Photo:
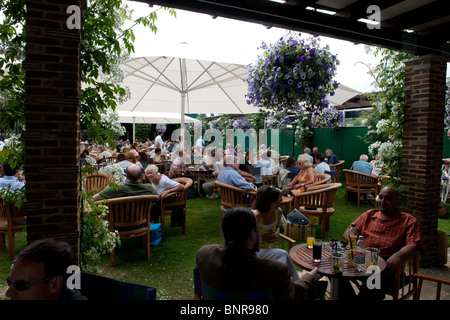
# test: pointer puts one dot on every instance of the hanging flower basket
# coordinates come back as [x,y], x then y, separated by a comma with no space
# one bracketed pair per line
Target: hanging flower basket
[292,72]
[161,127]
[327,118]
[241,123]
[276,120]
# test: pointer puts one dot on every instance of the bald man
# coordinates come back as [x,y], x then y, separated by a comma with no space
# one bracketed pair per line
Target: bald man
[132,187]
[397,234]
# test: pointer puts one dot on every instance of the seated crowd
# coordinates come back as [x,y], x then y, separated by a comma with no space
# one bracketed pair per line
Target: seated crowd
[246,258]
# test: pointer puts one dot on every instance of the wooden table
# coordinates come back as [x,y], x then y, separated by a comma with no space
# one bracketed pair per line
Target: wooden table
[301,255]
[197,173]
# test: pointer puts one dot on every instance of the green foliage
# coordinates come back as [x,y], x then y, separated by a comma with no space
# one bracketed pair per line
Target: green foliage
[12,74]
[303,132]
[256,120]
[13,195]
[96,238]
[142,131]
[104,46]
[13,151]
[385,122]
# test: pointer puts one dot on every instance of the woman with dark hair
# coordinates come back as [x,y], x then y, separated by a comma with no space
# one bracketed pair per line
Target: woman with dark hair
[269,216]
[143,159]
[291,165]
[233,267]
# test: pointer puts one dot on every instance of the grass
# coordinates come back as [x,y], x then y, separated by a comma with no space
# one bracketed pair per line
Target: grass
[170,268]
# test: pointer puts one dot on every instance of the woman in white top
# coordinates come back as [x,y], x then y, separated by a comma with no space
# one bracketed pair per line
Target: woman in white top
[270,217]
[161,182]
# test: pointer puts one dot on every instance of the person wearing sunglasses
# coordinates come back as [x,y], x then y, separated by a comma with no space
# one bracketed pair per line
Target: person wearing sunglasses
[40,273]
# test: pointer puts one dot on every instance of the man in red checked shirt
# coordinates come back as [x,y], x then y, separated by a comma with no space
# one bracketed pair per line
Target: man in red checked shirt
[397,234]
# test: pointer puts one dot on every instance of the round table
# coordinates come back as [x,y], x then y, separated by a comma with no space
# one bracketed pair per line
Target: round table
[301,255]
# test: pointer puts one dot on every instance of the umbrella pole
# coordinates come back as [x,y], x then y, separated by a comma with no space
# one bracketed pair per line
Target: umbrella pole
[183,100]
[134,130]
[183,142]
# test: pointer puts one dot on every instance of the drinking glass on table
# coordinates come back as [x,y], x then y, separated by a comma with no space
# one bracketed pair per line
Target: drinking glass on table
[372,256]
[310,237]
[337,259]
[317,250]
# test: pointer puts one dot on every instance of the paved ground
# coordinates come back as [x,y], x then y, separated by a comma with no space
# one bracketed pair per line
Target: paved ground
[429,288]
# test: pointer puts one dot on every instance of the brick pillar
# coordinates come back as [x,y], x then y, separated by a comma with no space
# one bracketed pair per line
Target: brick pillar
[422,145]
[52,106]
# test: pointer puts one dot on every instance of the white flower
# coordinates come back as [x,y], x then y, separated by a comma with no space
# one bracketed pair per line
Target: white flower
[116,171]
[91,161]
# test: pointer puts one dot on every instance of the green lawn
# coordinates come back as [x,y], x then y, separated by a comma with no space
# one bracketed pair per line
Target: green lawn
[171,263]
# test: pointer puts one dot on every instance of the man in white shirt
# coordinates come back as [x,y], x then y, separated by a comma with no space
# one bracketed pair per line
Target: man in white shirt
[209,157]
[321,165]
[159,139]
[307,153]
[10,179]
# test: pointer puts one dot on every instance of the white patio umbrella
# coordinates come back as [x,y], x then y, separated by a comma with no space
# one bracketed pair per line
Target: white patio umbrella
[152,117]
[173,84]
[185,85]
[182,85]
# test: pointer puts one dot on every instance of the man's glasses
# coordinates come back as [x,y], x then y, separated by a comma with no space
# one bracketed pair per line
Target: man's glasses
[22,285]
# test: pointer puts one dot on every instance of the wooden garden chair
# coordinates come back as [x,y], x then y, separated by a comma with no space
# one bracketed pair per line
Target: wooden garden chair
[232,197]
[12,221]
[130,216]
[335,170]
[96,182]
[360,183]
[439,282]
[270,180]
[405,284]
[318,203]
[322,178]
[173,200]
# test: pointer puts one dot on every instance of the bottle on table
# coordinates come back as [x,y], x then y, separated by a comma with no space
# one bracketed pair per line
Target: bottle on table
[360,253]
[353,235]
[351,247]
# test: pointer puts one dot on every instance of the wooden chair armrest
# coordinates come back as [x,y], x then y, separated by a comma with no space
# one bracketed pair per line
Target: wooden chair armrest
[284,237]
[250,192]
[431,278]
[171,194]
[290,241]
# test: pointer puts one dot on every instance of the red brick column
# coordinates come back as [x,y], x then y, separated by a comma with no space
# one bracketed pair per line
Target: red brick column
[52,105]
[422,145]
